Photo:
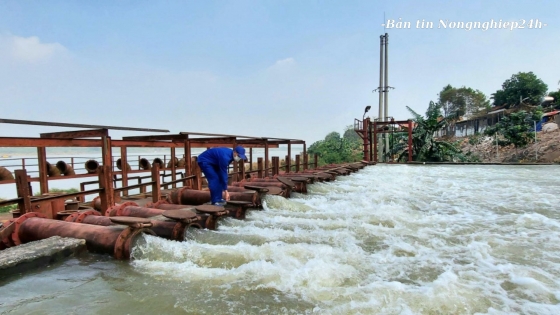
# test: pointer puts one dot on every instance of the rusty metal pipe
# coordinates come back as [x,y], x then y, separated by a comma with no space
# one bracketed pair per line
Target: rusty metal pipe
[158,161]
[5,174]
[300,187]
[52,170]
[65,169]
[187,196]
[170,230]
[310,177]
[168,206]
[145,164]
[130,209]
[91,166]
[176,163]
[119,165]
[236,189]
[286,191]
[181,163]
[96,203]
[262,184]
[114,240]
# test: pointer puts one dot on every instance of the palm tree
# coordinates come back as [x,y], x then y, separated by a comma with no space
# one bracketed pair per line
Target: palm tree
[425,147]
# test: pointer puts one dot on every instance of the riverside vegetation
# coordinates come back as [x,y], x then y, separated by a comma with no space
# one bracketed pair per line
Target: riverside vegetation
[521,95]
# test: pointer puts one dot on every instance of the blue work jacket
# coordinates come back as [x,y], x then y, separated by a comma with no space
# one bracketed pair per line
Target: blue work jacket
[220,158]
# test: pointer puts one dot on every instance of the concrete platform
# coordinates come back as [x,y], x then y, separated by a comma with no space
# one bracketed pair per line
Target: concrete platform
[37,254]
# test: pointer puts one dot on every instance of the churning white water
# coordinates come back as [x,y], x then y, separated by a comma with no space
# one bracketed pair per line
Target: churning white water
[386,240]
[390,239]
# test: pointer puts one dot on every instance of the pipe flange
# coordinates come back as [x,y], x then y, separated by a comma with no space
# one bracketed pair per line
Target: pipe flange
[178,233]
[124,241]
[116,209]
[72,217]
[180,193]
[94,201]
[7,240]
[83,215]
[19,221]
[180,230]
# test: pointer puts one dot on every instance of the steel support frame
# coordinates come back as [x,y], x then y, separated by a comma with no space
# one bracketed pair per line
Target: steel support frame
[377,125]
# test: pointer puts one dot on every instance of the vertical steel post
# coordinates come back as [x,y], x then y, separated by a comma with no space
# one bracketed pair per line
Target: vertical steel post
[297,163]
[260,167]
[266,157]
[365,122]
[156,186]
[304,156]
[124,170]
[173,166]
[107,157]
[22,187]
[43,172]
[370,141]
[273,161]
[410,140]
[242,168]
[250,159]
[289,159]
[197,181]
[188,163]
[375,153]
[316,160]
[234,177]
[107,195]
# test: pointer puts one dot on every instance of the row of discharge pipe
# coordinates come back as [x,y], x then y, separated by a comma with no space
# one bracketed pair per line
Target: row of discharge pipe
[116,230]
[62,168]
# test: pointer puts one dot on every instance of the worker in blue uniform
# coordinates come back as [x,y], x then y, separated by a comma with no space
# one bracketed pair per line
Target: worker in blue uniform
[214,164]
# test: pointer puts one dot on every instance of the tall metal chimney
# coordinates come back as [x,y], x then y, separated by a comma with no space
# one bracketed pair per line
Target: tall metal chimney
[381,87]
[386,88]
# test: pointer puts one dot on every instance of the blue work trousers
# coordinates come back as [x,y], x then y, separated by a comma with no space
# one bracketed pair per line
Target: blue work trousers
[211,173]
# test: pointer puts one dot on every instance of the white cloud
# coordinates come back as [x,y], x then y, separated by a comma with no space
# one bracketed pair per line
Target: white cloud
[29,49]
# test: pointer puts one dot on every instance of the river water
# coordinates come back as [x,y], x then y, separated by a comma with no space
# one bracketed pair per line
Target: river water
[390,239]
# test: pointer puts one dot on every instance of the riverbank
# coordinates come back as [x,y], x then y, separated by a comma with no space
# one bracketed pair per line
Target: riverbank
[545,150]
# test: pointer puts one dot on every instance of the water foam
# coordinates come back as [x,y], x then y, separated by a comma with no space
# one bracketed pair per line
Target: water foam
[389,240]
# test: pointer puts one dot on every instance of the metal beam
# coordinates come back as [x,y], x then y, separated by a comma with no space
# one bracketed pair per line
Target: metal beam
[173,137]
[57,124]
[76,134]
[92,143]
[236,136]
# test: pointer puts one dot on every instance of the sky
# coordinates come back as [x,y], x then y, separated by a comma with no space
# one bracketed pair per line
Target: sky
[286,69]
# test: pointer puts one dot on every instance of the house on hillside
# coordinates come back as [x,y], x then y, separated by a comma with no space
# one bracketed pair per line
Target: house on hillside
[474,125]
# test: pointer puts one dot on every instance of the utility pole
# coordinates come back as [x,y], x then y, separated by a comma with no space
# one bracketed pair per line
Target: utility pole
[386,89]
[383,90]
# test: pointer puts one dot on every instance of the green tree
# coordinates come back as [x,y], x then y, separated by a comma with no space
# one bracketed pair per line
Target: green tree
[425,147]
[516,128]
[462,101]
[521,86]
[337,149]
